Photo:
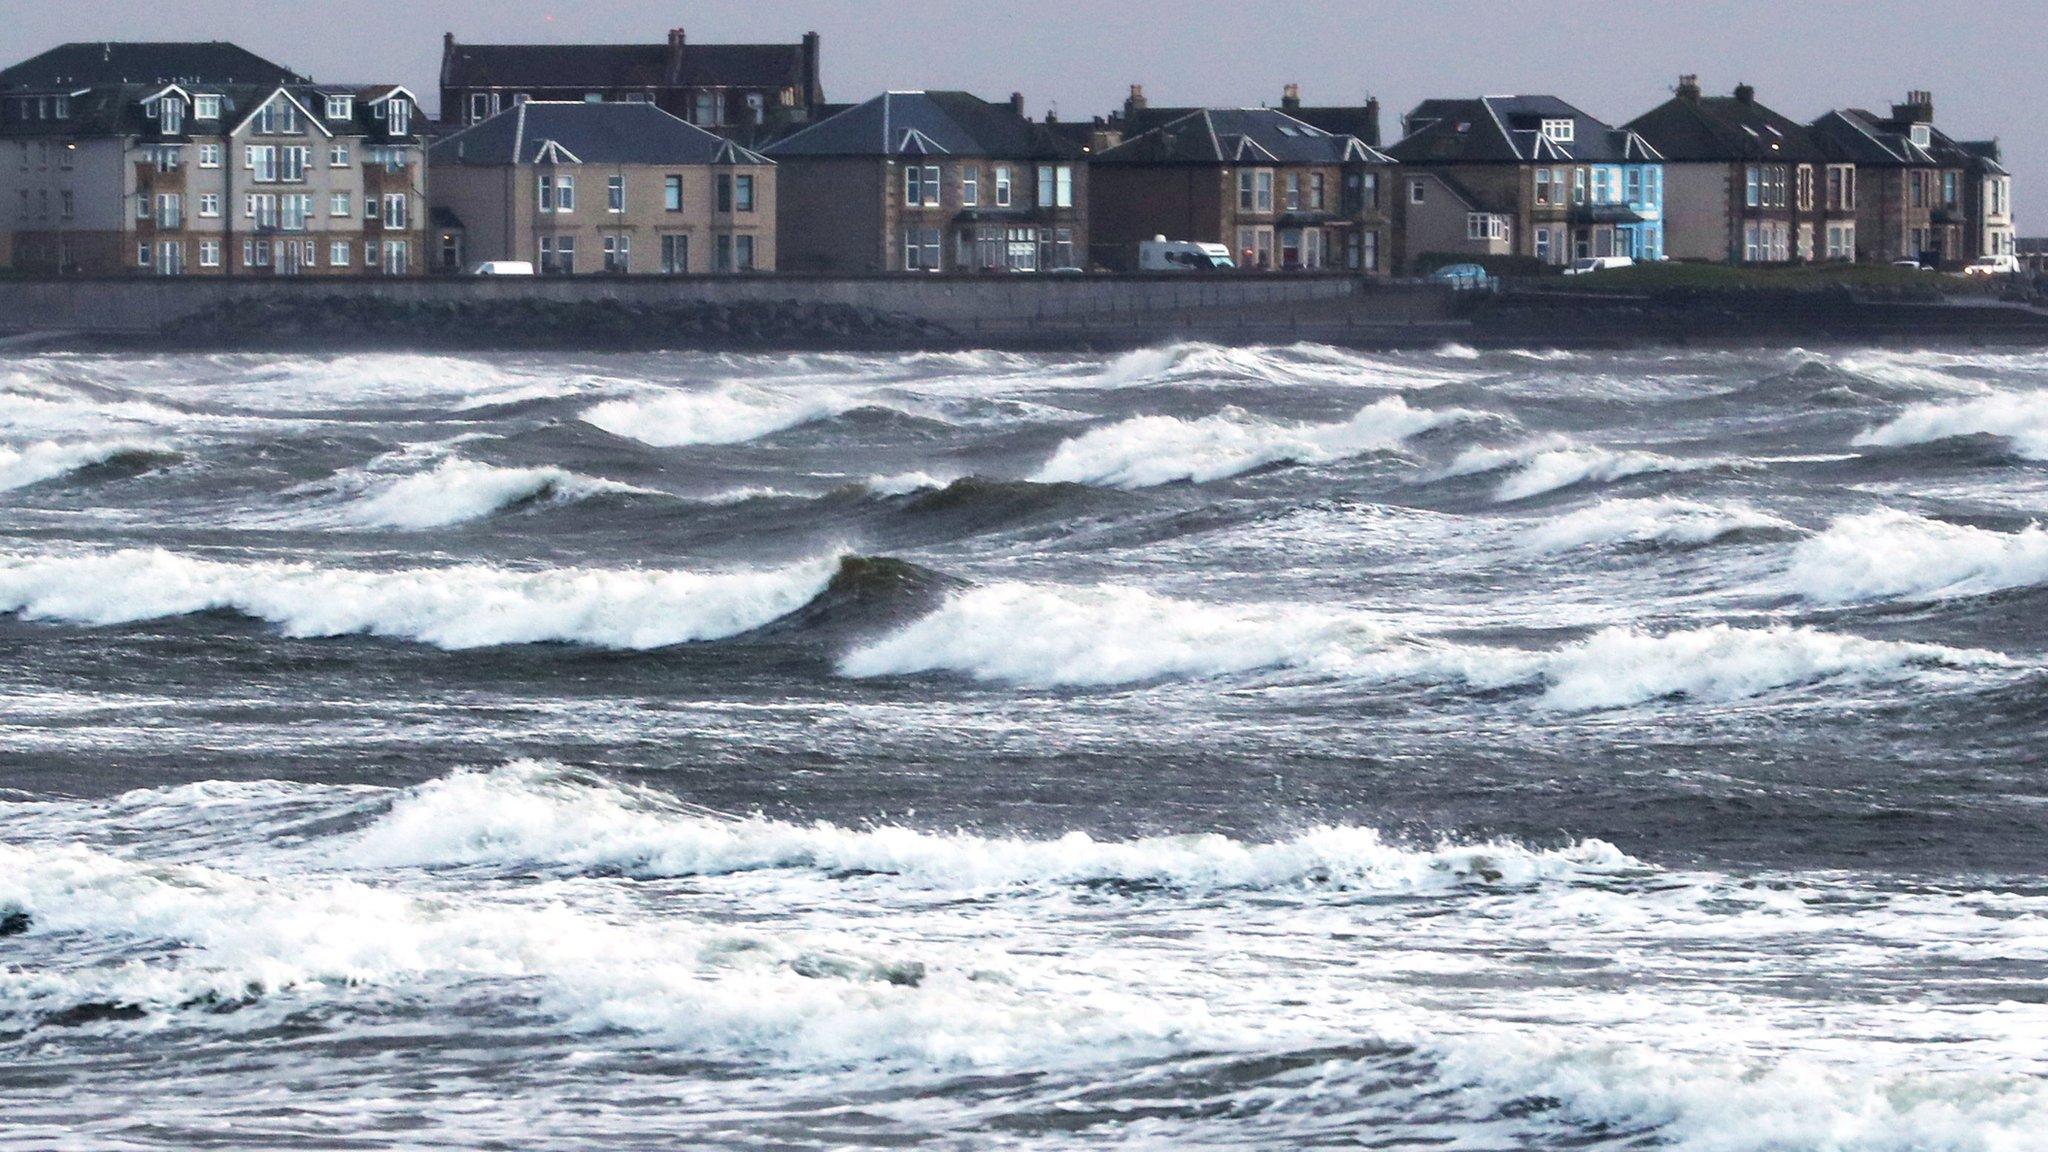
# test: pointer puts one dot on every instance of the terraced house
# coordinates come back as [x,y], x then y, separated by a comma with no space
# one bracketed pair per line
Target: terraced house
[193,171]
[609,188]
[1527,176]
[1746,185]
[929,182]
[1916,185]
[1281,193]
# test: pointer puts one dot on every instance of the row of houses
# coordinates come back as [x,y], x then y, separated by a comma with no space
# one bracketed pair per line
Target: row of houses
[683,158]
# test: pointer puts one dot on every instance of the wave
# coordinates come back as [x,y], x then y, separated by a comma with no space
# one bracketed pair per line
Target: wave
[459,491]
[2019,418]
[1146,451]
[532,814]
[454,608]
[36,463]
[1320,365]
[1897,554]
[1556,462]
[1052,637]
[1666,520]
[728,414]
[906,484]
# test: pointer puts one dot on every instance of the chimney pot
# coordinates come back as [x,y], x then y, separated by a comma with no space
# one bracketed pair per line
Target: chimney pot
[1017,103]
[1745,94]
[1290,97]
[1689,86]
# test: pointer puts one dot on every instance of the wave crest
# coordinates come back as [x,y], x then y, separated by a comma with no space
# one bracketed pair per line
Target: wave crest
[459,491]
[728,414]
[1666,520]
[1556,462]
[36,463]
[2019,419]
[1898,554]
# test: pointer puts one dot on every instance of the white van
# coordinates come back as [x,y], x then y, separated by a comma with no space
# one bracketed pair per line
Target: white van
[1598,264]
[1162,255]
[503,268]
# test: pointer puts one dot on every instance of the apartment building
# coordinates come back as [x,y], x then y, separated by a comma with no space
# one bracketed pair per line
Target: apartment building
[624,189]
[204,176]
[1528,176]
[1281,193]
[1744,184]
[927,182]
[749,92]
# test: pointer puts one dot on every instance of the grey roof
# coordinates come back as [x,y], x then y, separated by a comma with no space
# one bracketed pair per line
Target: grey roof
[588,134]
[95,63]
[1725,128]
[1242,136]
[927,124]
[1509,130]
[623,65]
[1887,141]
[120,110]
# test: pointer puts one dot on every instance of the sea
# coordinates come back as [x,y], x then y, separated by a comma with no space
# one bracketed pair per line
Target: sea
[1201,747]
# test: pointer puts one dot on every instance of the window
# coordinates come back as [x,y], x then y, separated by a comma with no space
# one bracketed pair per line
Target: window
[1316,198]
[705,110]
[209,253]
[1806,188]
[338,204]
[1264,190]
[398,119]
[171,116]
[209,204]
[170,210]
[1418,192]
[338,254]
[341,107]
[920,188]
[615,194]
[209,155]
[337,156]
[294,211]
[565,193]
[1543,189]
[1950,186]
[1002,185]
[1293,191]
[1255,247]
[672,194]
[261,161]
[757,108]
[970,186]
[60,108]
[280,117]
[743,193]
[743,252]
[558,255]
[921,249]
[675,254]
[370,254]
[67,204]
[293,162]
[1632,186]
[1578,185]
[141,204]
[618,253]
[143,256]
[1923,136]
[397,257]
[1841,187]
[1604,186]
[544,194]
[261,210]
[724,192]
[397,211]
[1545,252]
[1562,131]
[1485,226]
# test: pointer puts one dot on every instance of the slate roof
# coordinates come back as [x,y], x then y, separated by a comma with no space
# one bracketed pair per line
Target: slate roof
[1509,130]
[118,110]
[1241,136]
[928,124]
[96,63]
[1885,142]
[623,66]
[576,132]
[1725,128]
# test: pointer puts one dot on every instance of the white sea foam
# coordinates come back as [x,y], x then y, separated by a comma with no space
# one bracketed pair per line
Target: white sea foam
[1458,352]
[1149,450]
[905,483]
[1664,520]
[1556,462]
[1050,636]
[23,465]
[535,814]
[458,491]
[731,413]
[2021,418]
[1897,554]
[455,608]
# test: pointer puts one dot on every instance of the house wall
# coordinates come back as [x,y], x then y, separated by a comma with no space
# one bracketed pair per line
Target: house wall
[1437,224]
[499,209]
[1697,207]
[34,175]
[1131,203]
[829,214]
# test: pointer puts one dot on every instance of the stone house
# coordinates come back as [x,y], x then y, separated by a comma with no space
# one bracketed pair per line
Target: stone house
[1914,195]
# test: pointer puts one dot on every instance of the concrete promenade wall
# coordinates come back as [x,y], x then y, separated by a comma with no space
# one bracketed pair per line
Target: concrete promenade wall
[965,305]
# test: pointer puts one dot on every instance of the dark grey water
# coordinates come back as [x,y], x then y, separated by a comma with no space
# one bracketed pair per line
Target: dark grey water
[1268,748]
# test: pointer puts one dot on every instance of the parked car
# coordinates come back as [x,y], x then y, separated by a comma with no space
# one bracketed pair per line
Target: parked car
[1915,265]
[503,268]
[1162,255]
[1463,277]
[1993,266]
[1598,264]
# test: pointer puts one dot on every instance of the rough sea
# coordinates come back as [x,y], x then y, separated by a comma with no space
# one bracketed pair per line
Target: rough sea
[1198,748]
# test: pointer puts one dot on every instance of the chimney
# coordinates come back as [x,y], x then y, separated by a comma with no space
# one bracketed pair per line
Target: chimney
[677,39]
[1137,102]
[1745,94]
[1017,103]
[1372,121]
[814,88]
[1918,108]
[1290,98]
[1689,88]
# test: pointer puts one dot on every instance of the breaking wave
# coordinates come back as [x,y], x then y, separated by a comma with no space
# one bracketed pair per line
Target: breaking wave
[453,608]
[36,463]
[1556,462]
[728,414]
[1666,520]
[459,491]
[1897,554]
[2020,418]
[1145,451]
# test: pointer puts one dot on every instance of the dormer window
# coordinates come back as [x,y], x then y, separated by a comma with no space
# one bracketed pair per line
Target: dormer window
[171,116]
[341,107]
[1561,131]
[1923,136]
[62,106]
[206,107]
[280,117]
[398,116]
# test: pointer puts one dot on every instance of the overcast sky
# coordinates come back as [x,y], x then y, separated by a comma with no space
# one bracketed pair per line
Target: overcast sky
[1614,58]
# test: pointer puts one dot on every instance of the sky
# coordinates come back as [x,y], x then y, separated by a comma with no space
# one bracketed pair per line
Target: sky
[1613,58]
